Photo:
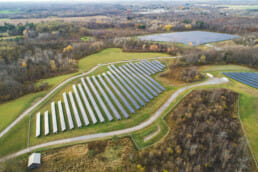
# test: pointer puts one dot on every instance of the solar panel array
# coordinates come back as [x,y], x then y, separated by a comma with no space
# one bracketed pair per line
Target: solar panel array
[112,95]
[248,78]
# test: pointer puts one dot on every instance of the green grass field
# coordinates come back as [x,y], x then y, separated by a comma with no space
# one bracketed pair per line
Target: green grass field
[11,37]
[9,11]
[86,38]
[12,109]
[112,55]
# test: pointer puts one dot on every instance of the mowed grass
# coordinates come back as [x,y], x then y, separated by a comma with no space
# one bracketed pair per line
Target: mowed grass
[249,115]
[112,55]
[10,110]
[139,136]
[16,139]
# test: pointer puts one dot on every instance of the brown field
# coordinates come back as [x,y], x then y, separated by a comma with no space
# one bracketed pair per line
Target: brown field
[102,19]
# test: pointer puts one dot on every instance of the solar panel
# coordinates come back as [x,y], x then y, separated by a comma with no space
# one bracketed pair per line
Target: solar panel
[136,81]
[146,67]
[253,76]
[87,104]
[93,102]
[108,101]
[153,66]
[139,66]
[82,110]
[149,83]
[145,63]
[102,104]
[54,122]
[250,78]
[135,104]
[155,82]
[68,111]
[143,83]
[125,83]
[243,77]
[146,78]
[46,121]
[158,62]
[133,86]
[61,115]
[38,125]
[157,65]
[127,104]
[135,69]
[120,107]
[75,111]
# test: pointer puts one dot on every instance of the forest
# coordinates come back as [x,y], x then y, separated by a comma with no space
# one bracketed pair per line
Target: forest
[205,136]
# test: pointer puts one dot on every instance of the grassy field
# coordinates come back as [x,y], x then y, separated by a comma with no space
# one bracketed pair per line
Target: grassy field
[9,11]
[11,37]
[249,115]
[112,55]
[86,38]
[12,109]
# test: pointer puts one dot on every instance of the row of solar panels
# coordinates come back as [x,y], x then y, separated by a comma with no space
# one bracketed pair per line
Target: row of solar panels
[248,78]
[116,93]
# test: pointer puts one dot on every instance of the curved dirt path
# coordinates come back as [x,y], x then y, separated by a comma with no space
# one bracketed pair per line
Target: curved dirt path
[142,125]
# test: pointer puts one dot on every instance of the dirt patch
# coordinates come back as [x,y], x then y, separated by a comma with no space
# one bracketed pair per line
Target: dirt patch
[177,75]
[53,19]
[110,155]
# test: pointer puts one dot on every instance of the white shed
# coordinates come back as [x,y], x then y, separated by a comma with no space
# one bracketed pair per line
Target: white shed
[34,160]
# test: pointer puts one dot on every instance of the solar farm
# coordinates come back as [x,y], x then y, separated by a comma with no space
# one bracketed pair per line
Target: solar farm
[113,95]
[248,78]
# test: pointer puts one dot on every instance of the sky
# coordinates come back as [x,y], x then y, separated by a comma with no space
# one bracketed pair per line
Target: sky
[101,1]
[80,0]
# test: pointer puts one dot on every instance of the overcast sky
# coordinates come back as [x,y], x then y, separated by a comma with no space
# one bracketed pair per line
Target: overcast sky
[65,0]
[100,1]
[87,0]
